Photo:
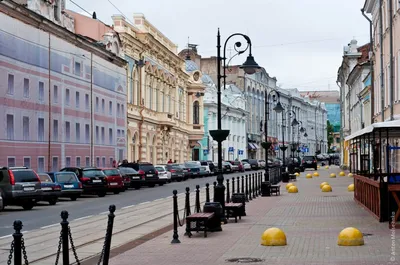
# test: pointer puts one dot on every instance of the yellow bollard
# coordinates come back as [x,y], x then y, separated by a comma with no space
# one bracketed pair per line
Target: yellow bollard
[289,185]
[318,166]
[309,176]
[350,187]
[350,236]
[350,175]
[326,188]
[293,189]
[316,174]
[273,237]
[297,174]
[323,184]
[333,175]
[327,167]
[342,174]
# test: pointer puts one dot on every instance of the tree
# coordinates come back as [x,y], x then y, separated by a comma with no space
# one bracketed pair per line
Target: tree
[329,136]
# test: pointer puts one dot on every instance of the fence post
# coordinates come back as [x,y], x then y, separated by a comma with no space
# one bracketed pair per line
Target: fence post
[250,191]
[243,184]
[197,198]
[247,188]
[187,202]
[254,185]
[207,192]
[238,184]
[110,225]
[64,235]
[175,236]
[17,242]
[259,183]
[227,191]
[233,185]
[215,184]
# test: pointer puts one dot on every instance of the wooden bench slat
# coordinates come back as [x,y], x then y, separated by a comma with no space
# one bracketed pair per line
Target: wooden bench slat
[234,204]
[200,215]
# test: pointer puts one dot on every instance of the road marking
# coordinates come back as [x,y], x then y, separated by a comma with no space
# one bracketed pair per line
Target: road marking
[24,232]
[48,226]
[104,212]
[144,202]
[127,207]
[159,199]
[81,218]
[5,236]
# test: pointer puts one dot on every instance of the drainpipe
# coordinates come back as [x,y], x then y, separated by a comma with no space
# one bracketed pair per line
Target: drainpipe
[391,60]
[372,54]
[381,59]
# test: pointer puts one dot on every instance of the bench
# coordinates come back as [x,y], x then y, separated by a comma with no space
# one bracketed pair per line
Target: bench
[234,210]
[275,189]
[201,220]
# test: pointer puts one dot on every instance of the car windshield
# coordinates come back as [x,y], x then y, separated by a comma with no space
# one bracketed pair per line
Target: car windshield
[236,163]
[204,163]
[203,168]
[127,170]
[111,172]
[93,173]
[66,177]
[45,178]
[190,165]
[146,167]
[160,169]
[176,167]
[25,176]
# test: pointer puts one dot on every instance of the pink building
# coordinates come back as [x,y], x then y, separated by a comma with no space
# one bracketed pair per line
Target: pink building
[62,96]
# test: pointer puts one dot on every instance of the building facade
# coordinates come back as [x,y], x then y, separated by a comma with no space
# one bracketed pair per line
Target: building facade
[63,96]
[165,102]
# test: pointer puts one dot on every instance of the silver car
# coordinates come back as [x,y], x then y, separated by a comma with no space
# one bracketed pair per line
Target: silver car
[1,203]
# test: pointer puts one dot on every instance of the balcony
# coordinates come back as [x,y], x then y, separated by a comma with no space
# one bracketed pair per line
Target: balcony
[166,119]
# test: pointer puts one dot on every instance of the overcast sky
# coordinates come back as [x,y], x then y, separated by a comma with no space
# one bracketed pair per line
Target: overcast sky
[300,42]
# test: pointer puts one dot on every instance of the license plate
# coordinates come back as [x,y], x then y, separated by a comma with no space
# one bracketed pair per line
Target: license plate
[68,186]
[180,175]
[135,177]
[29,189]
[113,183]
[96,180]
[46,188]
[308,162]
[149,175]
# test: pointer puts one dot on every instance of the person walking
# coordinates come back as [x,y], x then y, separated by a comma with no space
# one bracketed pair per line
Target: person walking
[170,161]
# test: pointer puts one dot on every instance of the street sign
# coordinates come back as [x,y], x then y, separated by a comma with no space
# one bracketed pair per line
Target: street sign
[240,152]
[205,152]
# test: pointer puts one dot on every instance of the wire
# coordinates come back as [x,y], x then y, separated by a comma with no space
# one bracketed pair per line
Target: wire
[81,8]
[120,12]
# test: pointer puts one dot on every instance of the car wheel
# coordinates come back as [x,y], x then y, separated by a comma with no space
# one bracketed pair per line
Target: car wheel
[116,192]
[160,184]
[53,201]
[137,187]
[102,194]
[73,198]
[152,185]
[28,205]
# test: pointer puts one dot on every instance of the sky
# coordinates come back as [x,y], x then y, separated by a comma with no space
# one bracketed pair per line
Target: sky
[300,42]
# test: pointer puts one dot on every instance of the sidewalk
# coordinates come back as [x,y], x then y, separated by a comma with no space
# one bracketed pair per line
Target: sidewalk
[311,220]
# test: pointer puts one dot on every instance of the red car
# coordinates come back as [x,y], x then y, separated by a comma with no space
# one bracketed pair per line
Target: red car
[115,182]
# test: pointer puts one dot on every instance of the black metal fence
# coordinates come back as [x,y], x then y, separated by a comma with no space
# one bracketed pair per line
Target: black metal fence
[18,252]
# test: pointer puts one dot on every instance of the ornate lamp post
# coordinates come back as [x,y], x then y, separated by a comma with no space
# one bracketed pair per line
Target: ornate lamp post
[219,135]
[283,147]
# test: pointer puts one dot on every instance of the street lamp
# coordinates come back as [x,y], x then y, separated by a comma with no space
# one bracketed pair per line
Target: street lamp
[219,135]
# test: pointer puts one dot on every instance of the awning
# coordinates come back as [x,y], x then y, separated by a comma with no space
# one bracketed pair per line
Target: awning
[393,125]
[250,146]
[255,146]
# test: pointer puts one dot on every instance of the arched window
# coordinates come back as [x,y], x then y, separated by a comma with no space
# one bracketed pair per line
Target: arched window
[196,113]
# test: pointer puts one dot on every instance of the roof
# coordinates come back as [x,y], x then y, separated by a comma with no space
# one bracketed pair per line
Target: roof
[191,66]
[392,126]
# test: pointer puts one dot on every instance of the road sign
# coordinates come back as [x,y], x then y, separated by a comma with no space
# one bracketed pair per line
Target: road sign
[230,149]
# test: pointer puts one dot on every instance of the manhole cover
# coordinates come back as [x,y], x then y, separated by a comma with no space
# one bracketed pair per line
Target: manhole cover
[245,260]
[366,234]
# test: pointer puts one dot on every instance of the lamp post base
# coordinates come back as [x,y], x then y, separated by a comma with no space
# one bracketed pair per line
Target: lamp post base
[219,196]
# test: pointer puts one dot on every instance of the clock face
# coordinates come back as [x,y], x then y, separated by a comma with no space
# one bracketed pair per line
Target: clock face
[196,76]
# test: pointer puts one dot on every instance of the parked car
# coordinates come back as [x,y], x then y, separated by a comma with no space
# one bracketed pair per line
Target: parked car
[203,171]
[71,187]
[212,166]
[19,186]
[309,162]
[261,163]
[93,179]
[163,174]
[176,172]
[253,163]
[226,167]
[1,203]
[131,177]
[148,173]
[186,171]
[115,182]
[206,164]
[246,166]
[193,168]
[51,191]
[234,167]
[239,164]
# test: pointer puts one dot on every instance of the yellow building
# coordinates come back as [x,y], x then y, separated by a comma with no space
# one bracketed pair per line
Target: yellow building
[165,103]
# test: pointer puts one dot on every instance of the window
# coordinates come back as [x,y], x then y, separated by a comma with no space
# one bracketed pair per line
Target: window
[97,134]
[68,161]
[77,100]
[67,97]
[103,135]
[55,130]
[55,94]
[111,161]
[78,132]
[10,89]
[87,161]
[118,110]
[54,165]
[97,104]
[25,128]
[123,110]
[11,161]
[118,133]
[41,91]
[77,68]
[26,88]
[40,129]
[40,164]
[67,131]
[78,161]
[123,133]
[10,127]
[27,162]
[87,133]
[110,135]
[97,161]
[103,161]
[87,105]
[110,107]
[196,113]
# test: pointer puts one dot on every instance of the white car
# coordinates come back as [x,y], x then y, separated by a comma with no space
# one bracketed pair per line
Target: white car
[163,173]
[246,166]
[261,163]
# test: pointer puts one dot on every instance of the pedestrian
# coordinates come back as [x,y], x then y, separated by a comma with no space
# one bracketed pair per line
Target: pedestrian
[170,161]
[114,163]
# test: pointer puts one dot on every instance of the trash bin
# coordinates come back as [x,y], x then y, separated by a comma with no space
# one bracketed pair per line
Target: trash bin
[297,170]
[265,189]
[285,177]
[214,225]
[240,198]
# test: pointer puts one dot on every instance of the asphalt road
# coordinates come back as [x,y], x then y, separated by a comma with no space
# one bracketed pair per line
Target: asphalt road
[44,214]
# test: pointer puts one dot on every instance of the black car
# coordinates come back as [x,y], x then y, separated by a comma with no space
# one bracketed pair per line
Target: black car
[194,169]
[176,172]
[131,177]
[50,191]
[147,171]
[93,179]
[253,163]
[226,167]
[309,162]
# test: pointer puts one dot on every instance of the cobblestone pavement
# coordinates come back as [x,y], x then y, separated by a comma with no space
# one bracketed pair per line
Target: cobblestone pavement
[311,220]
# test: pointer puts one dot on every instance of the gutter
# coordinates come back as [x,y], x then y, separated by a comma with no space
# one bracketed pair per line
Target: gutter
[391,60]
[381,59]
